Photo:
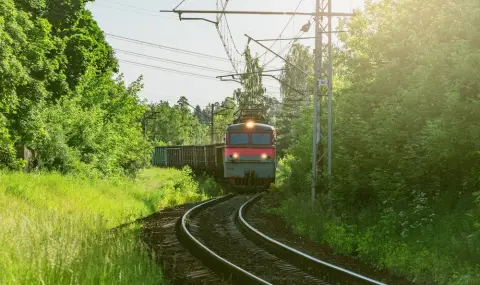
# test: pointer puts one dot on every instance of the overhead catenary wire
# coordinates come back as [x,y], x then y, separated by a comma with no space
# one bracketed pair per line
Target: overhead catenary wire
[173,49]
[139,11]
[299,34]
[222,37]
[295,38]
[183,1]
[231,36]
[284,28]
[181,72]
[117,2]
[170,61]
[224,7]
[169,69]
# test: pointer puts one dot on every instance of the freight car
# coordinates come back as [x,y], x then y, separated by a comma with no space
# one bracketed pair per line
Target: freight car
[246,160]
[201,158]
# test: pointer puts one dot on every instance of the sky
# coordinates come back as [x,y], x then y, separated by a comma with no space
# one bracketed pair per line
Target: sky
[142,22]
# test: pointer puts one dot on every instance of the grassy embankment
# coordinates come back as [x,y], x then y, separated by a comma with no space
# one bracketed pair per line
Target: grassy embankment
[444,252]
[54,229]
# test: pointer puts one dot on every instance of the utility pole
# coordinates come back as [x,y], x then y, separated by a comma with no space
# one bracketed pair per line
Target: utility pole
[211,125]
[330,89]
[316,102]
[144,125]
[322,88]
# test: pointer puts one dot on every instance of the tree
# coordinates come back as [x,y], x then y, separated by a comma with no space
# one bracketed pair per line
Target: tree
[296,91]
[59,96]
[225,114]
[175,125]
[406,125]
[200,115]
[273,109]
[183,102]
[252,94]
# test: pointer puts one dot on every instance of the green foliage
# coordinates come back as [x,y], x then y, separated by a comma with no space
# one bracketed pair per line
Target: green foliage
[208,186]
[253,91]
[58,95]
[55,228]
[7,151]
[420,258]
[404,191]
[253,95]
[181,189]
[224,116]
[175,125]
[297,90]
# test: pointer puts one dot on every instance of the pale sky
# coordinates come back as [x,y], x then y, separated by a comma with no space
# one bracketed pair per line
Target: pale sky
[141,20]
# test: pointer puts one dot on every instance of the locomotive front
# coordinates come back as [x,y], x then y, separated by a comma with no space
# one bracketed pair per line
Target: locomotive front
[249,160]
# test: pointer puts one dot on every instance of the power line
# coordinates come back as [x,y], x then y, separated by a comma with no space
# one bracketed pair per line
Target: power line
[300,33]
[192,53]
[169,70]
[283,50]
[116,2]
[219,17]
[279,13]
[222,38]
[231,36]
[183,1]
[202,76]
[170,61]
[284,28]
[149,13]
[297,38]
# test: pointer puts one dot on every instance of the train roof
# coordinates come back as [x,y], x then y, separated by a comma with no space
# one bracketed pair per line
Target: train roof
[257,127]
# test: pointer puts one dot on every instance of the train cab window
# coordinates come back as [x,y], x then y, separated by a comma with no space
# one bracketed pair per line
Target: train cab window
[261,139]
[239,138]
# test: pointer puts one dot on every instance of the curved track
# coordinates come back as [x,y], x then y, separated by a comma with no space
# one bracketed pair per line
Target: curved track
[215,232]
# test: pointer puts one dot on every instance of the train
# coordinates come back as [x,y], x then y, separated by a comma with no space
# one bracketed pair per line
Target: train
[246,160]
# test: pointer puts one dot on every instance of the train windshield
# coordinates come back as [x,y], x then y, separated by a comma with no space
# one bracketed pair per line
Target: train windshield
[261,139]
[240,138]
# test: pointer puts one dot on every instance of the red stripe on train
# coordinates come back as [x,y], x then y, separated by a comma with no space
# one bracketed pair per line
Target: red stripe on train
[250,151]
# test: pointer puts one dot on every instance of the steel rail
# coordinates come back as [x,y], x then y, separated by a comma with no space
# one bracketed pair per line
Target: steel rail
[201,251]
[333,274]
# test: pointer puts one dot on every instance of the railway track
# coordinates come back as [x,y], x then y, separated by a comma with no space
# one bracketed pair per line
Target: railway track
[217,233]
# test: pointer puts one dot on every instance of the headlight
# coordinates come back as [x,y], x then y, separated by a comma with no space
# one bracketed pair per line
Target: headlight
[264,156]
[234,156]
[250,124]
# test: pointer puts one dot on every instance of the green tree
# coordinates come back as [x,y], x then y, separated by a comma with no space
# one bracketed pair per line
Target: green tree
[296,93]
[58,92]
[175,125]
[406,157]
[225,114]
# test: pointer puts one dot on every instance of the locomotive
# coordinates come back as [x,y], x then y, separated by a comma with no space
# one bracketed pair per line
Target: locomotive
[249,160]
[246,160]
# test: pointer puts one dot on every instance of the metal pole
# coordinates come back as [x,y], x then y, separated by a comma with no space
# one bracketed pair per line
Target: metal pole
[316,101]
[211,125]
[320,13]
[144,127]
[330,87]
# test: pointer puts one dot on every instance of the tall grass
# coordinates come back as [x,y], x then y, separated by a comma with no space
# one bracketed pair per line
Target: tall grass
[54,229]
[430,255]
